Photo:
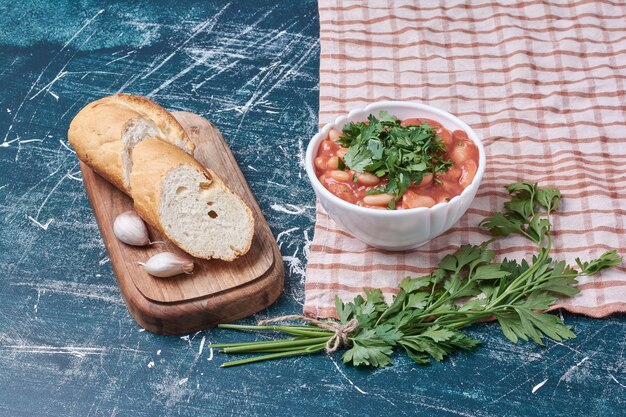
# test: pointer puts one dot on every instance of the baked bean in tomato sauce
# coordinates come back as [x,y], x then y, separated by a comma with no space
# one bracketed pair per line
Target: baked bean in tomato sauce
[353,187]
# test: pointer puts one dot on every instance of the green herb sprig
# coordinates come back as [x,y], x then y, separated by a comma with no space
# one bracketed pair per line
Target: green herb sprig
[425,318]
[403,153]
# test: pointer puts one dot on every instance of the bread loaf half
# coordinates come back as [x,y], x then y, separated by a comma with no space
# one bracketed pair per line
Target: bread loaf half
[188,203]
[105,132]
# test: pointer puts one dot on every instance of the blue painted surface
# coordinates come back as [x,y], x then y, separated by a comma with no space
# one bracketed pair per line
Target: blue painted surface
[67,343]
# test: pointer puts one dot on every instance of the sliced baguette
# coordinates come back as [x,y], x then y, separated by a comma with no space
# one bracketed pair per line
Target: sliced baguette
[188,203]
[105,132]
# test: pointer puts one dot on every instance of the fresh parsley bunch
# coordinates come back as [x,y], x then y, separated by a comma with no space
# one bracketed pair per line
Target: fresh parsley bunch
[403,153]
[427,316]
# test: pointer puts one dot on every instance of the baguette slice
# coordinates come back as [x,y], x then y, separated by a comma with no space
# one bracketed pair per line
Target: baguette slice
[189,203]
[105,132]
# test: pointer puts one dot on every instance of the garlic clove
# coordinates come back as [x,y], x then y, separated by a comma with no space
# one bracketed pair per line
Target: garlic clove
[129,228]
[168,264]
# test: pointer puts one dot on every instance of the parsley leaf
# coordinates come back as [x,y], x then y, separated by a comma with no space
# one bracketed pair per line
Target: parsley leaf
[369,352]
[606,260]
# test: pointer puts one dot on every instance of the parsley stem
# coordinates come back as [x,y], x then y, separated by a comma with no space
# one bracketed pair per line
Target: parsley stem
[442,300]
[285,343]
[307,351]
[253,349]
[311,331]
[454,316]
[270,327]
[536,284]
[469,312]
[457,323]
[513,287]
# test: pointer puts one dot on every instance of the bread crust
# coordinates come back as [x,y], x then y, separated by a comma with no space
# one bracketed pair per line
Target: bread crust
[96,132]
[173,131]
[152,159]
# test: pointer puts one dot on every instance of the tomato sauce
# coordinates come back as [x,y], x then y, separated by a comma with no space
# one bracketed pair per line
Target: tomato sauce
[353,187]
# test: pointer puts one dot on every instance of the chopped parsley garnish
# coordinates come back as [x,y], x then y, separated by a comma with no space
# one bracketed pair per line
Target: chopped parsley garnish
[402,153]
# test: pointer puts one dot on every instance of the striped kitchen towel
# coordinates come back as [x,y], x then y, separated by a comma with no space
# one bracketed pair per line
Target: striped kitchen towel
[542,83]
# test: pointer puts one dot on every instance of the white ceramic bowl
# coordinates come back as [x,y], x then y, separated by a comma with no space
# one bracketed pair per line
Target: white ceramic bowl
[395,229]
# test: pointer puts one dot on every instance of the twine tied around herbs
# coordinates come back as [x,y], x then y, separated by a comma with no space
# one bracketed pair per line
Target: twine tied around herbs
[341,332]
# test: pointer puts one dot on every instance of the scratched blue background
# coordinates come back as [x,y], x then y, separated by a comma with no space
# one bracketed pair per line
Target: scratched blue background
[67,343]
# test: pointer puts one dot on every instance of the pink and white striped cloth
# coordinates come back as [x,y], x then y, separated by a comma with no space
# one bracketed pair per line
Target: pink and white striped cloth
[542,83]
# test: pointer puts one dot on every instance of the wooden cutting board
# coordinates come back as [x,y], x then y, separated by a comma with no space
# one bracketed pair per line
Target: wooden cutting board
[217,291]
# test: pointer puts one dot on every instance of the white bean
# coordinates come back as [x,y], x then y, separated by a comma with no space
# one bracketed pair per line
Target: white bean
[453,173]
[377,199]
[326,145]
[341,152]
[333,162]
[334,135]
[367,179]
[426,179]
[468,169]
[320,163]
[413,200]
[459,154]
[342,176]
